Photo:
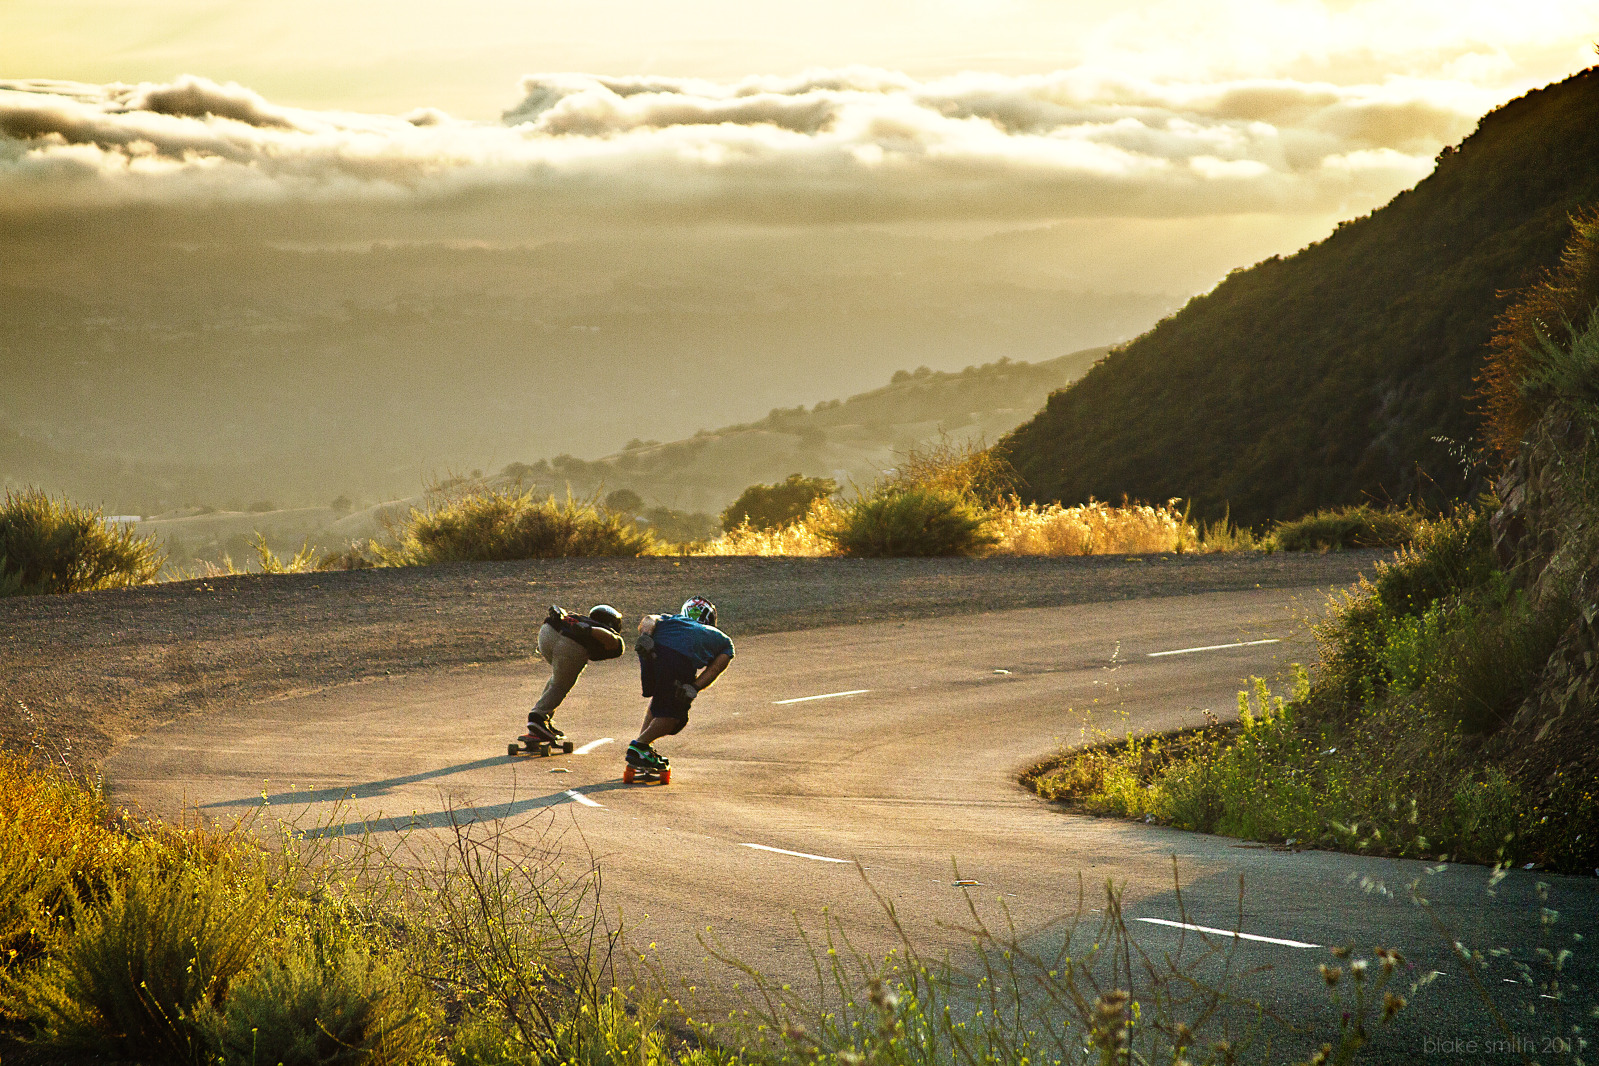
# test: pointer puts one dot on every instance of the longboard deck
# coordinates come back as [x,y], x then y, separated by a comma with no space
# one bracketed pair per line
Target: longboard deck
[543,749]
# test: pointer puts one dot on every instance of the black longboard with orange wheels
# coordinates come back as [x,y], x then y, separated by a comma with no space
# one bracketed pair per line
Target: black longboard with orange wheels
[643,775]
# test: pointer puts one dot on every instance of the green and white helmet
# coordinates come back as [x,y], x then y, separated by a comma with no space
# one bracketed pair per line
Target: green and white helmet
[699,609]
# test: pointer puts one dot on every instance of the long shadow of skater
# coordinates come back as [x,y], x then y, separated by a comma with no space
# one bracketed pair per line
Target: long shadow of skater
[349,792]
[451,817]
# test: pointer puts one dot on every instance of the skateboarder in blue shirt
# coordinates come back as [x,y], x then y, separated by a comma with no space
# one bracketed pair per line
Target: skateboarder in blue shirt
[680,655]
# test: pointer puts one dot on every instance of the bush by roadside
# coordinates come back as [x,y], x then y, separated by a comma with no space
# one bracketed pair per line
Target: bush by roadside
[1362,526]
[499,524]
[50,545]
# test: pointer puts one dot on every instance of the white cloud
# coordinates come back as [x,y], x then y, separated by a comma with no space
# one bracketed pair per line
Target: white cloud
[853,144]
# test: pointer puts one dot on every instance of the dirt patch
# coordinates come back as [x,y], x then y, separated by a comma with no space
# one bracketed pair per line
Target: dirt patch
[80,674]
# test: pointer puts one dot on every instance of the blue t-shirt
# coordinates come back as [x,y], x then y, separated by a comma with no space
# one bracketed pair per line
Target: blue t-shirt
[699,643]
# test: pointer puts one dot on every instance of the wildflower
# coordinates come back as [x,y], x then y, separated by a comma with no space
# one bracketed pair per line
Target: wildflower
[1389,958]
[1391,1005]
[1331,974]
[1342,952]
[1357,970]
[1320,1058]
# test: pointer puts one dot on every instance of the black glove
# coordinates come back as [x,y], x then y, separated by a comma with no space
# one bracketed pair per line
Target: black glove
[555,617]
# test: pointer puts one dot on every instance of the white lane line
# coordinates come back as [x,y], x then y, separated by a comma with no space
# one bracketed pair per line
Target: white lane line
[584,800]
[1213,647]
[1230,933]
[796,854]
[825,696]
[591,745]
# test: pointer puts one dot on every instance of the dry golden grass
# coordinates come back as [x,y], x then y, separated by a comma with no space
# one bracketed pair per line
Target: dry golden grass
[803,539]
[1093,528]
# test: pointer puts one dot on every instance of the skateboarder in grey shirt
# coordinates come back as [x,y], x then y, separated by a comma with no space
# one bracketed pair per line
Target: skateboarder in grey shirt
[569,642]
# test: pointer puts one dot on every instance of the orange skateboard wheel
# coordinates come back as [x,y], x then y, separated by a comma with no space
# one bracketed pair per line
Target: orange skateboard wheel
[666,777]
[627,775]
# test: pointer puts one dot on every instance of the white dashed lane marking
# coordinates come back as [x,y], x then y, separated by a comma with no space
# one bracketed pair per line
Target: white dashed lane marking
[824,696]
[1214,647]
[1230,933]
[796,854]
[584,800]
[591,745]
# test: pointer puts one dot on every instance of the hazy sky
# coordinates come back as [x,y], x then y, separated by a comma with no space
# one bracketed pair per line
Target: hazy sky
[985,113]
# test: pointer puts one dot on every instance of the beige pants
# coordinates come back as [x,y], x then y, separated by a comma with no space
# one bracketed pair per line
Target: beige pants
[567,660]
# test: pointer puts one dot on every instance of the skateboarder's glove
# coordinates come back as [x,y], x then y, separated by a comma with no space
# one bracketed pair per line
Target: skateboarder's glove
[644,645]
[686,692]
[555,617]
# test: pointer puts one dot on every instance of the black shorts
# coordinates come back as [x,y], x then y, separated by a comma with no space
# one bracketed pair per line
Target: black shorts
[661,671]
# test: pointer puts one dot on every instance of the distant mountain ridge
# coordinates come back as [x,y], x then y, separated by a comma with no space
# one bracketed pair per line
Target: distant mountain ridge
[851,440]
[1344,372]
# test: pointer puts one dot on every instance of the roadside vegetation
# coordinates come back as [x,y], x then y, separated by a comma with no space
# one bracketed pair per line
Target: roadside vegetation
[1450,710]
[129,941]
[51,545]
[508,524]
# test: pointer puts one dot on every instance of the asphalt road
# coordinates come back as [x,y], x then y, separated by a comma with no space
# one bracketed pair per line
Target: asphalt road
[889,751]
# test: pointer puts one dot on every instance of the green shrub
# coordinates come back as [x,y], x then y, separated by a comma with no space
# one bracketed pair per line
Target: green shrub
[495,525]
[917,521]
[1451,556]
[326,1001]
[142,966]
[766,507]
[53,546]
[1491,657]
[1348,527]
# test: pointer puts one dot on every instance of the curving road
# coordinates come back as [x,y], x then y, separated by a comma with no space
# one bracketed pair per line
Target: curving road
[895,747]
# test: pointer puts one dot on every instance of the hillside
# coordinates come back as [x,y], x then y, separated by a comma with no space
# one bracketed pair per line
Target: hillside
[851,440]
[1327,377]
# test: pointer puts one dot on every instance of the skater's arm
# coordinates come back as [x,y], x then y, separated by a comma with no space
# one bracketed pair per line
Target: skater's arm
[609,641]
[712,671]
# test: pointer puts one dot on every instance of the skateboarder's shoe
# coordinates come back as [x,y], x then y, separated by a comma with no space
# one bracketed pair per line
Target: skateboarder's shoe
[544,729]
[645,757]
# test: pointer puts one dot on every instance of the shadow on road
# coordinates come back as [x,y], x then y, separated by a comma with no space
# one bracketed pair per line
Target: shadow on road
[363,791]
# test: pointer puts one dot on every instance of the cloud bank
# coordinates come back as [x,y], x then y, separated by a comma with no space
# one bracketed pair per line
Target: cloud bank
[851,144]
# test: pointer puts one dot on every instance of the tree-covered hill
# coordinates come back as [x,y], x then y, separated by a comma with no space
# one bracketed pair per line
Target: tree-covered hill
[1329,376]
[852,440]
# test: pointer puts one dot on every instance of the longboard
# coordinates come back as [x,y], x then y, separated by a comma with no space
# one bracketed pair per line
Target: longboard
[542,749]
[639,775]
